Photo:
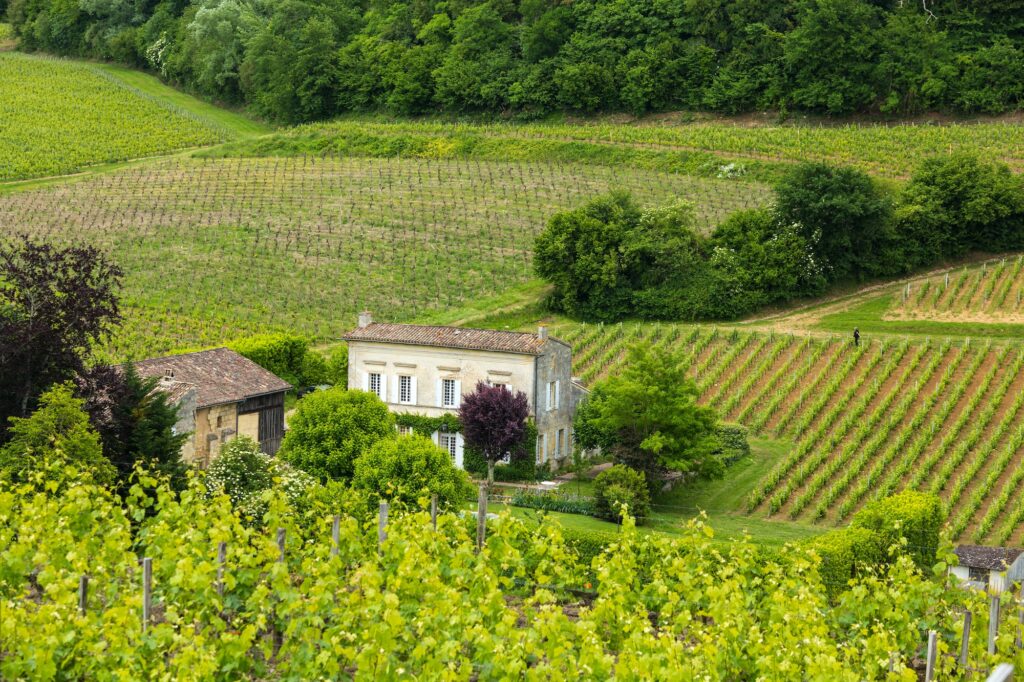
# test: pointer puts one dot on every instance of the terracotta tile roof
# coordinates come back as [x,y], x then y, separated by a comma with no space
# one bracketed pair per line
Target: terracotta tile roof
[219,375]
[450,337]
[978,556]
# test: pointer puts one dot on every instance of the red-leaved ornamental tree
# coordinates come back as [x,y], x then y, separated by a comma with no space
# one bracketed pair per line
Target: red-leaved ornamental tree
[493,422]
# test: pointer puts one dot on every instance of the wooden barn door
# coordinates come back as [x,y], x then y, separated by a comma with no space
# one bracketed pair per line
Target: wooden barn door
[271,428]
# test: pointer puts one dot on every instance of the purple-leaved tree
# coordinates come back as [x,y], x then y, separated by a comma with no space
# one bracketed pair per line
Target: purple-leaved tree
[493,422]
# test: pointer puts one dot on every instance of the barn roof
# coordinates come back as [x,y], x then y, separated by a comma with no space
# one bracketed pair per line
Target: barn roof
[451,337]
[979,556]
[219,375]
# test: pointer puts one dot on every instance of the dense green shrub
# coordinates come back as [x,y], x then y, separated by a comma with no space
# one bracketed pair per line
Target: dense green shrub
[243,473]
[841,213]
[407,471]
[588,543]
[286,355]
[554,501]
[845,554]
[733,441]
[58,431]
[917,517]
[617,486]
[331,428]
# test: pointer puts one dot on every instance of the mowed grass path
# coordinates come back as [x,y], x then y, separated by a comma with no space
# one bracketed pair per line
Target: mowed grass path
[60,116]
[218,248]
[942,415]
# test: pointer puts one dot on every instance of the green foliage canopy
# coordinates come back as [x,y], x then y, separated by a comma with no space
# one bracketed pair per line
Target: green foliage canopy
[331,428]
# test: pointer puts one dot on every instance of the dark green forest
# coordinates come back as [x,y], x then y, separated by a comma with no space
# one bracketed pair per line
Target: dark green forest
[303,60]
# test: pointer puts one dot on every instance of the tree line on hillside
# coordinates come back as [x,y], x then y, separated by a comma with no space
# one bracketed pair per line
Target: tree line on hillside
[302,60]
[612,259]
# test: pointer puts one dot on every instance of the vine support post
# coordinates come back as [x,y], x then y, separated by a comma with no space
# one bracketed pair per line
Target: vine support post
[1002,673]
[1020,620]
[222,560]
[147,592]
[83,593]
[335,534]
[965,639]
[433,511]
[481,517]
[929,673]
[993,622]
[281,535]
[382,525]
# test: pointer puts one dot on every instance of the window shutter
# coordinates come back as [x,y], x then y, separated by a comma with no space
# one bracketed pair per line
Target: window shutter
[384,387]
[412,390]
[395,392]
[366,381]
[558,400]
[547,398]
[458,393]
[458,450]
[440,393]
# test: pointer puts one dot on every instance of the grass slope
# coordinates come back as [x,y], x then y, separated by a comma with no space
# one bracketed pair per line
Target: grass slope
[238,125]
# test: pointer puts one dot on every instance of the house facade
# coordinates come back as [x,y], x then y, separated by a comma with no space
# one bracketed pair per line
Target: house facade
[989,567]
[426,370]
[220,394]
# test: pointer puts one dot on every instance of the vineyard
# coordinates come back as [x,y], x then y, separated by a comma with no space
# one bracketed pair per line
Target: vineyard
[992,292]
[73,115]
[704,148]
[183,588]
[214,249]
[864,422]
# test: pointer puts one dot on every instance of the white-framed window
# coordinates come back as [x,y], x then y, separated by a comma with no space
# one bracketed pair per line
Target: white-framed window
[553,395]
[502,384]
[404,430]
[406,395]
[450,443]
[449,393]
[375,384]
[560,445]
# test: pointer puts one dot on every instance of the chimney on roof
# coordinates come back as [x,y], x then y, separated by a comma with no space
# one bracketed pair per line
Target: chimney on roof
[365,319]
[542,332]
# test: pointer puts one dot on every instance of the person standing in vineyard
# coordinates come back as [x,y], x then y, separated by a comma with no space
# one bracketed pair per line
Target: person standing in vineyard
[856,337]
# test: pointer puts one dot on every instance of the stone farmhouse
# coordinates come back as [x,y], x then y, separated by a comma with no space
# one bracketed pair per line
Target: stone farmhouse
[426,370]
[220,394]
[984,567]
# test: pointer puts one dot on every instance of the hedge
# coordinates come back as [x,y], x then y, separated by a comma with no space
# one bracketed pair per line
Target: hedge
[286,355]
[918,517]
[845,553]
[733,439]
[588,543]
[569,504]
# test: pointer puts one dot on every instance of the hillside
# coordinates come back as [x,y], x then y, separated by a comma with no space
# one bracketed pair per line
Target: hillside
[76,115]
[214,249]
[937,415]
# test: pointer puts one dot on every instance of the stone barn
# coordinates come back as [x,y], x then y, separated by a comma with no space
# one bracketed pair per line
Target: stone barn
[220,394]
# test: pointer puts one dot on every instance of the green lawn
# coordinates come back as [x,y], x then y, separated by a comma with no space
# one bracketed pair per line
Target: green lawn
[868,318]
[722,500]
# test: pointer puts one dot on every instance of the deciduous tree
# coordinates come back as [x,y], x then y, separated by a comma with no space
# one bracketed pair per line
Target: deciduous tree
[55,304]
[494,422]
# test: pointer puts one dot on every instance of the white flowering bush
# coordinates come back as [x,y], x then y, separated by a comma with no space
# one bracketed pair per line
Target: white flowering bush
[244,474]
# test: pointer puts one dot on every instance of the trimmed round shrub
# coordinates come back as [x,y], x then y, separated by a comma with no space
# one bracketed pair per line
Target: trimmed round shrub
[618,486]
[406,471]
[331,428]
